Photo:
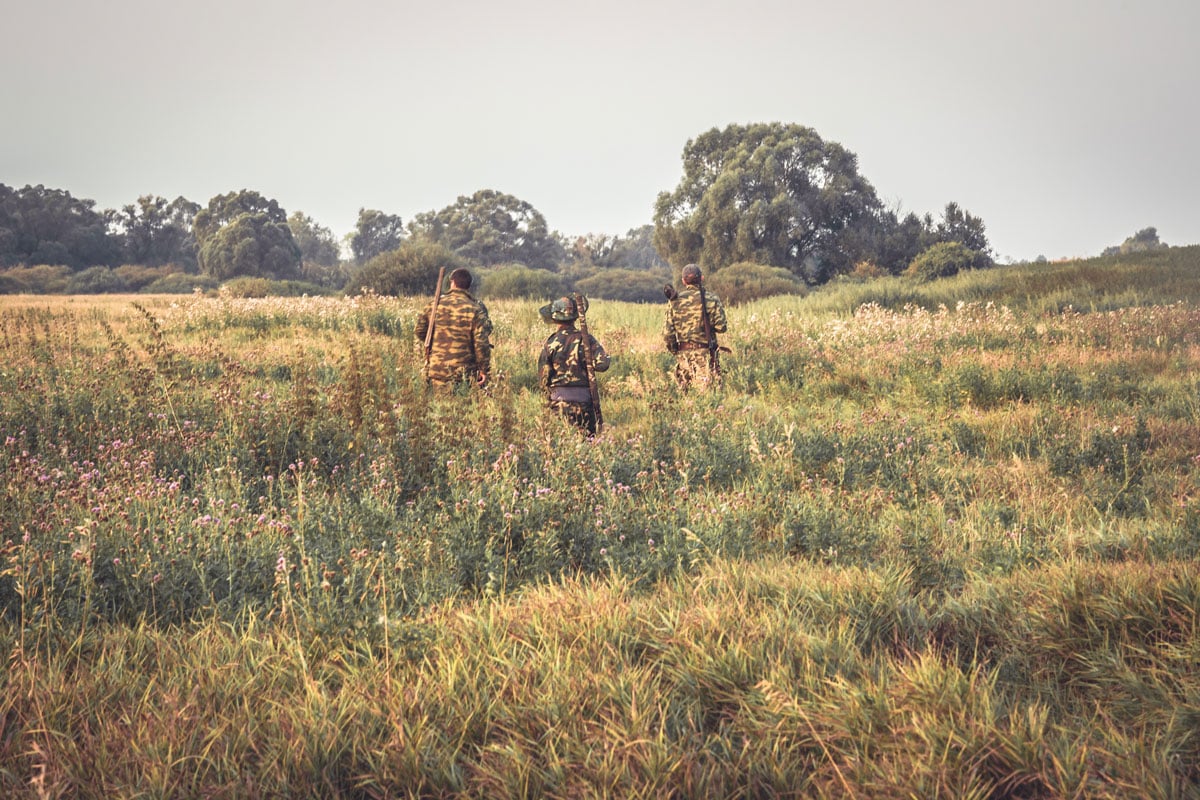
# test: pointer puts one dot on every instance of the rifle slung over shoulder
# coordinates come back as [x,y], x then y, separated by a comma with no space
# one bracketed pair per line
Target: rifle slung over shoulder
[589,360]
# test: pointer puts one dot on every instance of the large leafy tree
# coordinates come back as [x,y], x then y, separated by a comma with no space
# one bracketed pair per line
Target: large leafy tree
[317,243]
[634,251]
[245,234]
[888,241]
[49,226]
[768,193]
[376,233]
[891,242]
[959,225]
[590,250]
[155,231]
[491,228]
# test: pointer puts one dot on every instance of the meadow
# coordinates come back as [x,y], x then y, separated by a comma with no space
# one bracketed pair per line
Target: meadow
[930,540]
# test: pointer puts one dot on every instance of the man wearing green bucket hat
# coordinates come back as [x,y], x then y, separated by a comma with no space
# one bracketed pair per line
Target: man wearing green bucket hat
[563,367]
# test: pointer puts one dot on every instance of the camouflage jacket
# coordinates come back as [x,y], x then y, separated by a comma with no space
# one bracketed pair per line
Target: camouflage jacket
[462,333]
[562,361]
[684,324]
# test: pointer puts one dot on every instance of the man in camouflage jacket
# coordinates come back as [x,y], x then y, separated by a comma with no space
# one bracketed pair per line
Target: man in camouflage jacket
[684,332]
[562,366]
[462,330]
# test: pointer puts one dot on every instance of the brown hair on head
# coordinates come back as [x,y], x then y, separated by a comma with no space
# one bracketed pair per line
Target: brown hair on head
[461,278]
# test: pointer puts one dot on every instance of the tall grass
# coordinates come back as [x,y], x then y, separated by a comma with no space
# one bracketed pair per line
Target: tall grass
[750,678]
[1160,277]
[941,549]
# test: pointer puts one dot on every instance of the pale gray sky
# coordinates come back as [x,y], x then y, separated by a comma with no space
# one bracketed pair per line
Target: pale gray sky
[1067,125]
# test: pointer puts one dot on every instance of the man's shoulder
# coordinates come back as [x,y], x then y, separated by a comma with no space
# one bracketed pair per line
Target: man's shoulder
[466,298]
[563,335]
[463,299]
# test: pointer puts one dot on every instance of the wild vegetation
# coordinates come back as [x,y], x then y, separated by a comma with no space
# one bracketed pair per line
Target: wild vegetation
[931,540]
[774,201]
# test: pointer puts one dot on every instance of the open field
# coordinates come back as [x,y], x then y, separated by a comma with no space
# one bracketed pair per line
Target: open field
[909,551]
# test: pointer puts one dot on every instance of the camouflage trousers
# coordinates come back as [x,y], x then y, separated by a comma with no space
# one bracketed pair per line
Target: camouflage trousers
[463,383]
[581,415]
[692,370]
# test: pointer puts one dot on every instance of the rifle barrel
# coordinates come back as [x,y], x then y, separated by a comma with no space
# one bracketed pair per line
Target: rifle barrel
[710,335]
[588,357]
[433,309]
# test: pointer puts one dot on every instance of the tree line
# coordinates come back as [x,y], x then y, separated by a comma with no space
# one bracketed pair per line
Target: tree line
[773,205]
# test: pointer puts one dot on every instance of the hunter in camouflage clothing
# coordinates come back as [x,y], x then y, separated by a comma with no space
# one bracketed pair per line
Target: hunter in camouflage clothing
[696,358]
[562,366]
[461,349]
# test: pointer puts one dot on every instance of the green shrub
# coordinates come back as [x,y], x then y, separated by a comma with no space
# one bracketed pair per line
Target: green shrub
[247,287]
[39,279]
[137,277]
[263,287]
[945,259]
[180,283]
[633,286]
[298,289]
[745,282]
[330,276]
[411,269]
[518,281]
[96,280]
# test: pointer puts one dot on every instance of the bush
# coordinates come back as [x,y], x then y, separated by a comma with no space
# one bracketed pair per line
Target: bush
[96,280]
[262,287]
[247,287]
[40,279]
[332,276]
[180,283]
[137,276]
[864,271]
[945,259]
[299,289]
[409,270]
[744,282]
[521,282]
[633,286]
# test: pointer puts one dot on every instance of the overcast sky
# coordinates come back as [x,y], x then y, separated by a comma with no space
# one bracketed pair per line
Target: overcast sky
[1066,125]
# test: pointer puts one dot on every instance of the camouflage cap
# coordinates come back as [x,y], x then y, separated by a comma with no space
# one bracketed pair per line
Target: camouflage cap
[691,274]
[561,310]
